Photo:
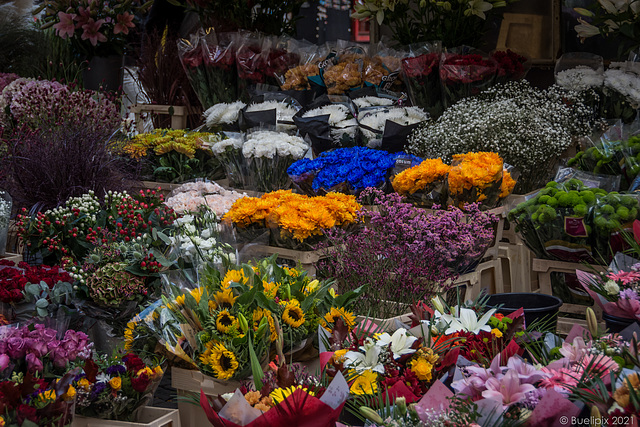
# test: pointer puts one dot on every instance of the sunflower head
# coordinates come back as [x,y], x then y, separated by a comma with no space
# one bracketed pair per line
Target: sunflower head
[233,276]
[225,298]
[226,323]
[330,318]
[221,360]
[271,289]
[293,314]
[258,314]
[280,394]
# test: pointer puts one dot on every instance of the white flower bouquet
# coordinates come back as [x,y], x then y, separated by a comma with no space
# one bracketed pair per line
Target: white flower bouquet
[278,113]
[229,152]
[328,125]
[191,195]
[223,115]
[377,125]
[268,156]
[5,215]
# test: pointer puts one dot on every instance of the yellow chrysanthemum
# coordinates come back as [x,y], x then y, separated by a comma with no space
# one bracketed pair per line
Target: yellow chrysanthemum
[330,318]
[418,177]
[365,383]
[222,361]
[226,323]
[280,394]
[293,314]
[479,170]
[508,183]
[225,298]
[496,332]
[422,368]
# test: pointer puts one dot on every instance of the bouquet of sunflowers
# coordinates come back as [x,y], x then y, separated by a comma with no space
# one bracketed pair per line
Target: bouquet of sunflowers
[225,324]
[296,221]
[169,155]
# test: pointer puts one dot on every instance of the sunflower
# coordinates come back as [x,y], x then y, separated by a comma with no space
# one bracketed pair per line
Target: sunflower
[293,314]
[233,276]
[225,298]
[222,361]
[225,322]
[280,394]
[330,318]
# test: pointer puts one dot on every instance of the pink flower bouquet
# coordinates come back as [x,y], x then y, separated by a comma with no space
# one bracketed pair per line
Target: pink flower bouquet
[615,292]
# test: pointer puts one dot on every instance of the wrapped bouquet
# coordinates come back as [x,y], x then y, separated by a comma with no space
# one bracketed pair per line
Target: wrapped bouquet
[421,74]
[423,185]
[388,128]
[191,196]
[465,72]
[328,125]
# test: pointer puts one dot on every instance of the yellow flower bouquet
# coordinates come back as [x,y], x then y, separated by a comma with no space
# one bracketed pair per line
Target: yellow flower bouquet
[226,324]
[423,185]
[478,177]
[296,221]
[169,155]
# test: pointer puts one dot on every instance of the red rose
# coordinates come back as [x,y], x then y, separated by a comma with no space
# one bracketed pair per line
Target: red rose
[140,383]
[26,412]
[133,362]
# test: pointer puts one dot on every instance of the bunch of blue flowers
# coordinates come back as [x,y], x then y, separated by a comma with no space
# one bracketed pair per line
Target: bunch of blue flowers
[345,169]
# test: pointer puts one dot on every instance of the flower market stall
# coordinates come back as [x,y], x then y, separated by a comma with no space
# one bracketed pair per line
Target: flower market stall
[415,231]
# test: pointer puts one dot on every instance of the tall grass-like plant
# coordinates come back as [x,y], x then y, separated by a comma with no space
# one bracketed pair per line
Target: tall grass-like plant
[404,254]
[46,167]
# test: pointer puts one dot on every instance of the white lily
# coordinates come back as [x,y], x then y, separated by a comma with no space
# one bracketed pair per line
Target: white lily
[368,360]
[400,342]
[478,8]
[466,319]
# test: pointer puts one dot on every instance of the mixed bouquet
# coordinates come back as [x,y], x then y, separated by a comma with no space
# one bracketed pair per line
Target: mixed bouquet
[478,177]
[191,196]
[423,185]
[296,220]
[94,28]
[403,252]
[464,73]
[115,387]
[527,127]
[174,155]
[31,357]
[345,170]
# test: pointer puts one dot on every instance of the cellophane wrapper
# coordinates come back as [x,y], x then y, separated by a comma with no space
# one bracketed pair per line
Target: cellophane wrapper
[465,72]
[421,75]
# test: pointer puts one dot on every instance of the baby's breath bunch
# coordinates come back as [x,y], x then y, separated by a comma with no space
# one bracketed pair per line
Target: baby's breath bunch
[528,127]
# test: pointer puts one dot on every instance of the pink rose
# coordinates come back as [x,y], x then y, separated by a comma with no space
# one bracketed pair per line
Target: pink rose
[34,364]
[4,362]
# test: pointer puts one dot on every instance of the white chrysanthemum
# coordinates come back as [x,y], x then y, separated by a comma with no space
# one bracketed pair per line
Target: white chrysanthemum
[221,146]
[223,113]
[378,118]
[579,78]
[627,84]
[372,101]
[269,144]
[337,113]
[284,111]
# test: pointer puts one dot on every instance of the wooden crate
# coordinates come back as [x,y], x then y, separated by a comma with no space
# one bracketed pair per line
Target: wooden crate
[187,383]
[487,275]
[177,113]
[150,417]
[543,269]
[11,257]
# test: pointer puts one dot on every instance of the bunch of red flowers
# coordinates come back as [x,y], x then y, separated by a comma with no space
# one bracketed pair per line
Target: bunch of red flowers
[466,69]
[14,278]
[511,66]
[420,66]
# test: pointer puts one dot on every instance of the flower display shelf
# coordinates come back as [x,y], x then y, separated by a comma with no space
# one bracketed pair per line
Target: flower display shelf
[305,259]
[178,114]
[11,257]
[187,383]
[149,417]
[543,269]
[487,275]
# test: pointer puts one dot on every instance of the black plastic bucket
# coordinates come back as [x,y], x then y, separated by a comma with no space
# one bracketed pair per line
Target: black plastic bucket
[537,307]
[615,323]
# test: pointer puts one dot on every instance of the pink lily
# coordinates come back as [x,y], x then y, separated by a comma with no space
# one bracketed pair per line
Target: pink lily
[125,21]
[66,27]
[83,17]
[91,32]
[526,372]
[507,390]
[576,351]
[559,379]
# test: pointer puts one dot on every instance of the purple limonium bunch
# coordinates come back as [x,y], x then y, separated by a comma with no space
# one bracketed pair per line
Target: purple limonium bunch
[38,349]
[405,254]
